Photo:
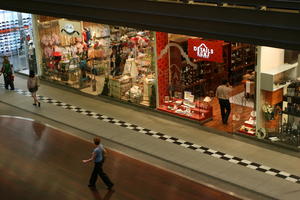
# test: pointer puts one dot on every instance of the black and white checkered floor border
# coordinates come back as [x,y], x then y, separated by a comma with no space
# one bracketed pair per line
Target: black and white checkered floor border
[167,138]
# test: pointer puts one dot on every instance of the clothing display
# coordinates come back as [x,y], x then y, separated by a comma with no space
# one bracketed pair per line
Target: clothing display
[74,59]
[131,68]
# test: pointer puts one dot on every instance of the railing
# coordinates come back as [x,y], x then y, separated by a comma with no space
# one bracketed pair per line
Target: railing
[256,4]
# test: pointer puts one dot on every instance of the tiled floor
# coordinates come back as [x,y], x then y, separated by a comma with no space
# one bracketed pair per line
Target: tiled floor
[171,139]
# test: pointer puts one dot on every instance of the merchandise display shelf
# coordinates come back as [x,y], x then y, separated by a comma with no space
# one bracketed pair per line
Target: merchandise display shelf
[196,117]
[292,99]
[248,131]
[292,114]
[284,73]
[198,114]
[10,34]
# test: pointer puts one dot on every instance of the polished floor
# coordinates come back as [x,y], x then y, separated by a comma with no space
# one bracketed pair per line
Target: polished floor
[238,110]
[178,154]
[40,162]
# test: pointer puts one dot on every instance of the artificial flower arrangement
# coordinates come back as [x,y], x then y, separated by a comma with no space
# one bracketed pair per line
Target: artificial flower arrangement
[269,111]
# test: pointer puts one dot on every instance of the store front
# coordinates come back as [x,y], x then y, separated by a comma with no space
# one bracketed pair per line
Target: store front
[279,95]
[177,75]
[191,69]
[99,59]
[264,81]
[16,40]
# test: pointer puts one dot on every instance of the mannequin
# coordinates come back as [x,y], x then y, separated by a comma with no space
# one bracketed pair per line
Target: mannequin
[115,60]
[31,57]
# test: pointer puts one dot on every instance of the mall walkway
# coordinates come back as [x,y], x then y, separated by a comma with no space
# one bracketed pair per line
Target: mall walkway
[240,166]
[40,162]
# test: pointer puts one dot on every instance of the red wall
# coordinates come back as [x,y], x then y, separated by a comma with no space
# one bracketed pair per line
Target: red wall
[162,66]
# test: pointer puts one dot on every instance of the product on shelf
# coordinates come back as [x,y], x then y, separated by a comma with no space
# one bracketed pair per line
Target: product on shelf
[84,54]
[290,124]
[249,126]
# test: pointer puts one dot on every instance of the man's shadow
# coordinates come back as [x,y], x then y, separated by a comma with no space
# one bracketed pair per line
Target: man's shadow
[38,129]
[97,195]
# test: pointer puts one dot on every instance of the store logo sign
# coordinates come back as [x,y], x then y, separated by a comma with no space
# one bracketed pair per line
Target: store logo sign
[71,28]
[204,50]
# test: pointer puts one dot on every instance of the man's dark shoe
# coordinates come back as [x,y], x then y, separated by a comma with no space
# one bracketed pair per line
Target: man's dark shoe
[110,187]
[91,186]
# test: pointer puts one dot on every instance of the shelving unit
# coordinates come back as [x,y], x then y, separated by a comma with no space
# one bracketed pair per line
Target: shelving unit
[242,57]
[237,60]
[11,36]
[277,78]
[291,113]
[291,99]
[290,120]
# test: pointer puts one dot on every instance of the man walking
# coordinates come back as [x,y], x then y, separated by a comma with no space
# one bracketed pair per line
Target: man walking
[223,93]
[98,158]
[8,73]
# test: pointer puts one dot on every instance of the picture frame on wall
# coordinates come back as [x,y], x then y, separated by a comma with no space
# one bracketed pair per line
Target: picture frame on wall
[167,99]
[178,95]
[187,95]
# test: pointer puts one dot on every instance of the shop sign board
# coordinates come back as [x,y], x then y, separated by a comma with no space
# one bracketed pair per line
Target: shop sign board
[71,28]
[204,50]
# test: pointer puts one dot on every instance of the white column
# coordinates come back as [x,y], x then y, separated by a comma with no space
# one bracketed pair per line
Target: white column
[37,44]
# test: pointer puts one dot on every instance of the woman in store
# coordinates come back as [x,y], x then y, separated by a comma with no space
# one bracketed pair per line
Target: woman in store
[33,86]
[8,73]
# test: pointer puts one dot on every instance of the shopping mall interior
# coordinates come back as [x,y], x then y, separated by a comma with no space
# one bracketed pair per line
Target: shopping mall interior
[153,97]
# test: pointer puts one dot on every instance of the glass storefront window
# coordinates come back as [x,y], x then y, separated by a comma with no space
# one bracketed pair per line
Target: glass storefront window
[181,72]
[190,71]
[99,59]
[279,96]
[15,40]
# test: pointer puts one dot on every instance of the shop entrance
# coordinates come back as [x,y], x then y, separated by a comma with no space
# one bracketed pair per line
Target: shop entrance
[195,69]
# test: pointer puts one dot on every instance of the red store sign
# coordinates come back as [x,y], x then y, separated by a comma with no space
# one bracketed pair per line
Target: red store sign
[206,50]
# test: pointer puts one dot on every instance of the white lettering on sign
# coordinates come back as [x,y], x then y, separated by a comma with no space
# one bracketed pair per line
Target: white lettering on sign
[203,51]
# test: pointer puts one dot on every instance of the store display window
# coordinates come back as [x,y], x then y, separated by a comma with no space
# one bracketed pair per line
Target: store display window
[279,110]
[16,40]
[190,69]
[99,59]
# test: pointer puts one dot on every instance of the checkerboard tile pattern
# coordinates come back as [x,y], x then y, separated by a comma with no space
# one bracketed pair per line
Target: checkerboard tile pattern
[167,138]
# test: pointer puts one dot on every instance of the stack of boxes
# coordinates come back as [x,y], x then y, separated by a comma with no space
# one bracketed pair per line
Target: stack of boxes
[118,88]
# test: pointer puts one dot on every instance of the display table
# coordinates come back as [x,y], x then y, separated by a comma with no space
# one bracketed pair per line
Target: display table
[249,88]
[199,113]
[247,129]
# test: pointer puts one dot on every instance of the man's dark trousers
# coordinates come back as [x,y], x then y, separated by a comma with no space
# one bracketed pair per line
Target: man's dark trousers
[99,171]
[225,109]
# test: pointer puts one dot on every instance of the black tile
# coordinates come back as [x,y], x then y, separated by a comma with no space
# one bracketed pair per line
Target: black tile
[177,142]
[225,158]
[220,153]
[281,176]
[188,143]
[296,177]
[242,163]
[274,170]
[255,164]
[191,147]
[208,152]
[261,169]
[237,158]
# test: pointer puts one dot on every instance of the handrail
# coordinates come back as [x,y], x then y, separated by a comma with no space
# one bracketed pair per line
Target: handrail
[268,28]
[258,4]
